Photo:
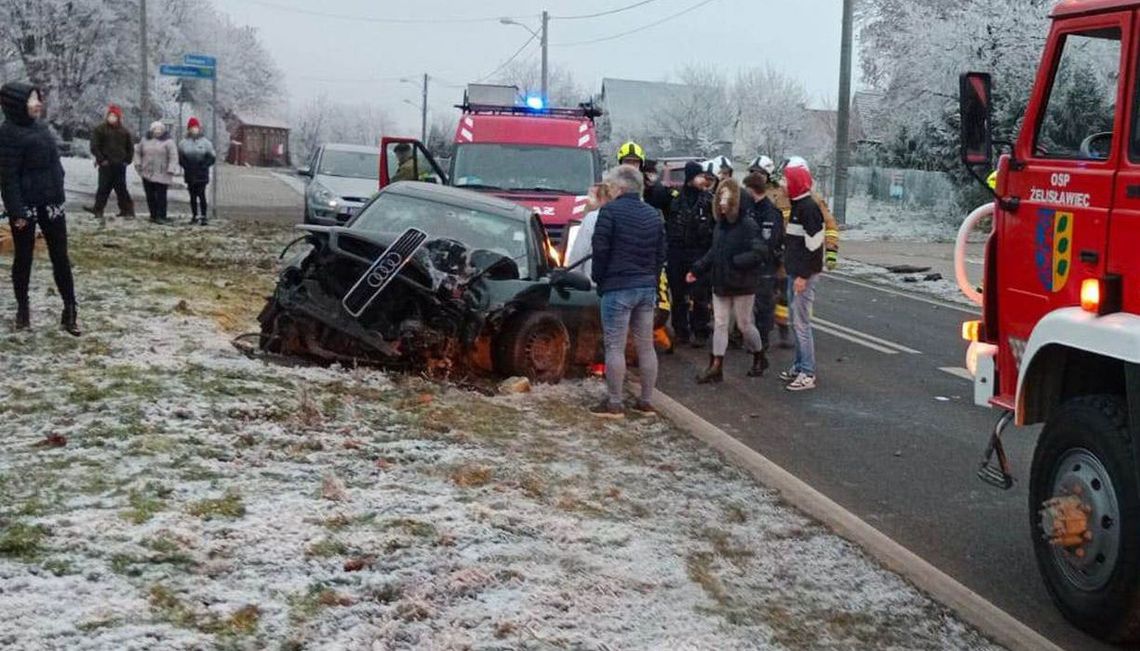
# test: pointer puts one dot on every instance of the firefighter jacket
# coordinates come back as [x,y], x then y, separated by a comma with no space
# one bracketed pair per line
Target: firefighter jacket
[803,257]
[690,221]
[778,194]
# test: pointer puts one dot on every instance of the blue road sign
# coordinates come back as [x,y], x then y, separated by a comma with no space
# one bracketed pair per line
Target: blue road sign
[200,60]
[192,72]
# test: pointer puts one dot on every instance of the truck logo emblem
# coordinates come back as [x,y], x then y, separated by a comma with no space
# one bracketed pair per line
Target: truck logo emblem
[1053,250]
[390,262]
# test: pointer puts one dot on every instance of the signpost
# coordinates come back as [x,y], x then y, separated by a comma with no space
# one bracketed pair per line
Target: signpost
[201,66]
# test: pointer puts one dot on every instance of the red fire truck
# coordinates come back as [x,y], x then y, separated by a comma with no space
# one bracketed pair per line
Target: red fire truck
[1058,341]
[516,148]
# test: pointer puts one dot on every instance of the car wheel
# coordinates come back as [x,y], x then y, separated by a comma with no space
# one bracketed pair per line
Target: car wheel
[1084,510]
[535,345]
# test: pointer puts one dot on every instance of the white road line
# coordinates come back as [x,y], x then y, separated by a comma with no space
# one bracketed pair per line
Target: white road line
[921,299]
[958,371]
[862,342]
[851,331]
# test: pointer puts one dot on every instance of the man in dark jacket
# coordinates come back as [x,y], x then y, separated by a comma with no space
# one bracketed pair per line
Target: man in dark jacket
[770,221]
[803,259]
[689,226]
[31,185]
[656,194]
[113,149]
[629,251]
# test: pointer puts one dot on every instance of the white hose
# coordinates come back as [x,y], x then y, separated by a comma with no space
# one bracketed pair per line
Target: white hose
[963,278]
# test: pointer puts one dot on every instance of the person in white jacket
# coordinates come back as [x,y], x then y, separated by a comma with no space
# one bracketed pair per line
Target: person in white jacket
[581,249]
[156,160]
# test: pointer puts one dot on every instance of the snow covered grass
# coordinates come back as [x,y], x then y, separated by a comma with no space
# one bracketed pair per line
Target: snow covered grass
[945,289]
[158,489]
[870,220]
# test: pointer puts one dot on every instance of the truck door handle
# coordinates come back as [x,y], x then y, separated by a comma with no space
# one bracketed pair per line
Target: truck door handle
[1090,257]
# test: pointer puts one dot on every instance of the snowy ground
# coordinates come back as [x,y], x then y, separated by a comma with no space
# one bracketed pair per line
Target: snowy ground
[942,288]
[159,490]
[869,220]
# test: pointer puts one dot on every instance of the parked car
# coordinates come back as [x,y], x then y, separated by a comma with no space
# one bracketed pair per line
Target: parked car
[342,178]
[672,170]
[480,293]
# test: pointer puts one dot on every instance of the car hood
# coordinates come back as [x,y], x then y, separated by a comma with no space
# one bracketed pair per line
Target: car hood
[347,187]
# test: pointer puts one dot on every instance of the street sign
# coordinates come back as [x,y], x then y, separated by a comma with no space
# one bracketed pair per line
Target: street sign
[191,72]
[200,60]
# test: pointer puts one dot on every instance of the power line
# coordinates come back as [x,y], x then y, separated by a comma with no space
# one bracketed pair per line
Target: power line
[508,61]
[604,13]
[374,19]
[637,29]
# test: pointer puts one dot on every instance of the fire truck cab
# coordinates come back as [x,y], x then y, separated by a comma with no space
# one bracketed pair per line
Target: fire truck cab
[1058,341]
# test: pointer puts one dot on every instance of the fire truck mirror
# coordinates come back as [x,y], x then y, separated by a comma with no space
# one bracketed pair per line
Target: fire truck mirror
[975,112]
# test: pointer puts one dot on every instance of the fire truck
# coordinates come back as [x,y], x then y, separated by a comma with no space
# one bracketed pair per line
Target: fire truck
[1058,342]
[519,149]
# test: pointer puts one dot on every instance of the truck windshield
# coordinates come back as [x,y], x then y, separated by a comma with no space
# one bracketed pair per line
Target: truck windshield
[352,164]
[393,213]
[566,170]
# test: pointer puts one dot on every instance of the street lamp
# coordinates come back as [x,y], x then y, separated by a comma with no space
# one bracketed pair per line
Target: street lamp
[543,38]
[423,106]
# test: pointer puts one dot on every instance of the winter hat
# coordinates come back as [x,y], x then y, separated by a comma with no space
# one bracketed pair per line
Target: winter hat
[116,111]
[193,122]
[799,180]
[14,102]
[692,170]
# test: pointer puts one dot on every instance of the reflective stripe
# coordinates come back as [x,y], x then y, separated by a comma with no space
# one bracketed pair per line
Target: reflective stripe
[781,311]
[812,242]
[831,232]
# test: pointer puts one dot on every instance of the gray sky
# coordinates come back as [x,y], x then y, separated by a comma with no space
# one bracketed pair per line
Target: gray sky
[356,60]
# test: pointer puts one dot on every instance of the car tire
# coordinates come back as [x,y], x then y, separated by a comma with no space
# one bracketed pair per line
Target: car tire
[536,345]
[1096,586]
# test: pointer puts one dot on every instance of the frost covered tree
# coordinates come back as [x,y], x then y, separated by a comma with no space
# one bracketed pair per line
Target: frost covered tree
[321,121]
[698,118]
[562,88]
[770,111]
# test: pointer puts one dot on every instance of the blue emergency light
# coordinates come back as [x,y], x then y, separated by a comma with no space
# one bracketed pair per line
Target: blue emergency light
[535,102]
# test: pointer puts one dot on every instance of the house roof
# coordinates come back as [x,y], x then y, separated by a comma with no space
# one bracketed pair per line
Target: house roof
[262,121]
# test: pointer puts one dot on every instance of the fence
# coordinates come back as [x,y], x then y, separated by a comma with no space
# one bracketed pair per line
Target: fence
[904,187]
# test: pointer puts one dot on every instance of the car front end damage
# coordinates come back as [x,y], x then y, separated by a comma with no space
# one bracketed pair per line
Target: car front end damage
[449,312]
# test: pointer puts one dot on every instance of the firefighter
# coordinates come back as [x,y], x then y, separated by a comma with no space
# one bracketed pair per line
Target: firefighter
[407,162]
[689,231]
[655,194]
[770,220]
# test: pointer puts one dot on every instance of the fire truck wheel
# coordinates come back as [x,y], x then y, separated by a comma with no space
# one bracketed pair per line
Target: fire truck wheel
[535,345]
[1084,512]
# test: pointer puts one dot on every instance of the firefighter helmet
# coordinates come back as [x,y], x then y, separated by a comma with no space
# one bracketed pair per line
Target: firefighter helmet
[764,164]
[631,150]
[719,163]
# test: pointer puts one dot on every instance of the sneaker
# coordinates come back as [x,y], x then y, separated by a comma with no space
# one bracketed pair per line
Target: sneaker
[606,410]
[644,408]
[789,375]
[804,382]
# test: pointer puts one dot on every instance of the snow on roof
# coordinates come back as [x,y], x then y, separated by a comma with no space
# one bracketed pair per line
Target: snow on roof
[262,121]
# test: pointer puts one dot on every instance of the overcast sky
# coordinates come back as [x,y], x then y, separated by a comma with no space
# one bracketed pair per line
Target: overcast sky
[330,47]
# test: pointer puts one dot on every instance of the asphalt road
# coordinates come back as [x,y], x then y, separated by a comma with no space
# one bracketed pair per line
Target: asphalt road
[894,437]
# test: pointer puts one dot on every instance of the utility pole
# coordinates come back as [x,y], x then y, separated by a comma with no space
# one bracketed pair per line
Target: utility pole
[545,49]
[143,68]
[423,113]
[843,115]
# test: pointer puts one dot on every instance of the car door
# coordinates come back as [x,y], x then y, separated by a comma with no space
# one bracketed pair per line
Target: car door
[1063,176]
[424,165]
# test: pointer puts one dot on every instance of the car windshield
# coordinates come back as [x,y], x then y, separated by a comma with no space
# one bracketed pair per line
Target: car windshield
[394,213]
[524,167]
[351,164]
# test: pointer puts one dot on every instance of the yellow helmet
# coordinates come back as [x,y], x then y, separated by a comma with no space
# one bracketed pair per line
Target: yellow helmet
[631,150]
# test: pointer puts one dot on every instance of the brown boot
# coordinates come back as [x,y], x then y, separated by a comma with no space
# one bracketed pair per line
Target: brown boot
[714,373]
[759,364]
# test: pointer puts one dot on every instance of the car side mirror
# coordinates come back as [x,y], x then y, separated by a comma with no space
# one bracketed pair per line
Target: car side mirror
[576,280]
[975,109]
[305,171]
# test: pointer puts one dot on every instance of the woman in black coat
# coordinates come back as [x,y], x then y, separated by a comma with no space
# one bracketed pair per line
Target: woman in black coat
[733,268]
[31,186]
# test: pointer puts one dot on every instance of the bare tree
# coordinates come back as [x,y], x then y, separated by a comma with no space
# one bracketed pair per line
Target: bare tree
[562,90]
[771,116]
[698,117]
[321,121]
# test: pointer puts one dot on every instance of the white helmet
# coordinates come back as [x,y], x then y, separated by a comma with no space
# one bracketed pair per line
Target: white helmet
[763,163]
[719,162]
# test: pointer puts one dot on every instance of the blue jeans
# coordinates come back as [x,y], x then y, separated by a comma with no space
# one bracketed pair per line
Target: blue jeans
[626,310]
[799,314]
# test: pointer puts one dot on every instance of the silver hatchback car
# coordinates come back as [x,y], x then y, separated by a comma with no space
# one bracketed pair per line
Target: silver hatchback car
[342,178]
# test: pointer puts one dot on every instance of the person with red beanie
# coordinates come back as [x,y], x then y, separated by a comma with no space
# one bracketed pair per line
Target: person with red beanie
[113,149]
[196,155]
[803,259]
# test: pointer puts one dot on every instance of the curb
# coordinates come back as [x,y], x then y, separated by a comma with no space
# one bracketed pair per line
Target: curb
[971,607]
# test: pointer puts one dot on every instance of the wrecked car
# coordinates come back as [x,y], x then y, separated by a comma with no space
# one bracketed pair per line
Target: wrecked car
[435,279]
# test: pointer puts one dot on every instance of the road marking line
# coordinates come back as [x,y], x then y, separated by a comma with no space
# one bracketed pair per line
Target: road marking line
[852,331]
[971,607]
[856,340]
[958,371]
[921,299]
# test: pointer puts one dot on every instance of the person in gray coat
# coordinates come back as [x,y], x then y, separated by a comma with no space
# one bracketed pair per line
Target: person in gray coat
[196,155]
[156,159]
